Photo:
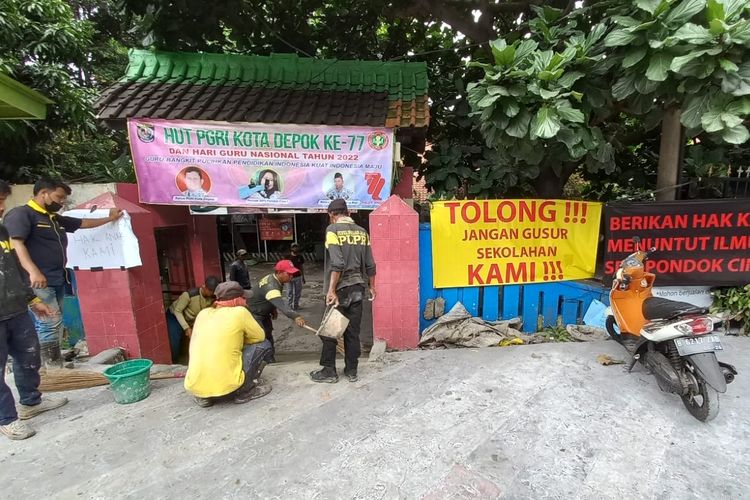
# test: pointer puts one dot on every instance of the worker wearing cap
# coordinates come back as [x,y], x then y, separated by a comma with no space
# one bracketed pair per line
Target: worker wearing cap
[268,300]
[349,272]
[182,313]
[238,270]
[227,350]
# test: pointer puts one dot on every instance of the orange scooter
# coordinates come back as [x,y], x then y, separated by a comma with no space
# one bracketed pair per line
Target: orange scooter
[673,340]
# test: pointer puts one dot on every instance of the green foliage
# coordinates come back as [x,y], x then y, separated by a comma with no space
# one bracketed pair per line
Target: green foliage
[40,40]
[573,96]
[68,51]
[556,334]
[535,104]
[690,53]
[545,102]
[736,303]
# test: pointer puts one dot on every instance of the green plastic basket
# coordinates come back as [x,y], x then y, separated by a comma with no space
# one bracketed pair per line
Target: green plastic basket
[130,380]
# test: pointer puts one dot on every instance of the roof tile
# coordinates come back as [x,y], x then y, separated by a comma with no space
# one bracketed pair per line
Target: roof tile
[281,88]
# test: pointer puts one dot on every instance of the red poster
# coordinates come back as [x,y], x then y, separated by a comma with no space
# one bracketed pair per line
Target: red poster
[697,242]
[276,228]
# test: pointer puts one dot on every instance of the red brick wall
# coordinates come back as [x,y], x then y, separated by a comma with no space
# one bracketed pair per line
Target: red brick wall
[204,239]
[125,308]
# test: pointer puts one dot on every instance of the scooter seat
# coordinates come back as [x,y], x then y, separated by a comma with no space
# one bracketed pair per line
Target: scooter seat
[660,308]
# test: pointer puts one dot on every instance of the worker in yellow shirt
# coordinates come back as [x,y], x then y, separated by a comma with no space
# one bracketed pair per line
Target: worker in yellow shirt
[226,351]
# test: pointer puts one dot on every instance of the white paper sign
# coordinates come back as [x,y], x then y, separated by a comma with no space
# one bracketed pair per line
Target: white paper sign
[699,296]
[111,246]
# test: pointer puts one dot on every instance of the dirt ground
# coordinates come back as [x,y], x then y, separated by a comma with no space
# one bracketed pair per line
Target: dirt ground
[296,343]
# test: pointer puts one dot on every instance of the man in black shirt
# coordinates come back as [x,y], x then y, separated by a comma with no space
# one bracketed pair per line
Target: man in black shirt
[349,274]
[268,300]
[294,287]
[39,237]
[18,339]
[238,270]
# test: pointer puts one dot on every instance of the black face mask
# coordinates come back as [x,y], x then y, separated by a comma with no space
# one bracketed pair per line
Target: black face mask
[53,207]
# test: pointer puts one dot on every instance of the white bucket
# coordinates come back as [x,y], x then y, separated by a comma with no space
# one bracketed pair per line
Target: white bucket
[333,325]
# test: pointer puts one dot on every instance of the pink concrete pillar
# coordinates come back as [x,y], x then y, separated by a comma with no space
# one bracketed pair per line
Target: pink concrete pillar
[394,233]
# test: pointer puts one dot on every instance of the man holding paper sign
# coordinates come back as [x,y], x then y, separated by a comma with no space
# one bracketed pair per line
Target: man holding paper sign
[39,237]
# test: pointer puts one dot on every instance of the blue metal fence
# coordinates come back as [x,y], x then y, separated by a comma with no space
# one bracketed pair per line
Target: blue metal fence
[539,305]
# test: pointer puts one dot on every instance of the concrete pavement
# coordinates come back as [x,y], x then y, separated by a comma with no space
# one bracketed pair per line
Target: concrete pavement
[543,421]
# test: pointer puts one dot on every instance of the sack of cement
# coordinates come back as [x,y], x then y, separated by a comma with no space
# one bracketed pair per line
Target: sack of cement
[459,328]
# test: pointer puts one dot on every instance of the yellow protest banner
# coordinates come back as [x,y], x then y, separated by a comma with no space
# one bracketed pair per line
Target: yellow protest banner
[496,242]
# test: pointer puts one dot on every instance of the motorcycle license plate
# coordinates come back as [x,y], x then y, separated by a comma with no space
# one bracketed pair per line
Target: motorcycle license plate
[696,345]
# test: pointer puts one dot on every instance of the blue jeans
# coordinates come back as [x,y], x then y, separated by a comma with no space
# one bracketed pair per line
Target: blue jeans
[176,334]
[50,329]
[18,338]
[294,292]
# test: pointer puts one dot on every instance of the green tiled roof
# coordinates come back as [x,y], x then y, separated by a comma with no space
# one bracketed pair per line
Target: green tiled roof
[400,80]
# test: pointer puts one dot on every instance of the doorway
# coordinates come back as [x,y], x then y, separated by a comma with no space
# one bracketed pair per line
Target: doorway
[175,266]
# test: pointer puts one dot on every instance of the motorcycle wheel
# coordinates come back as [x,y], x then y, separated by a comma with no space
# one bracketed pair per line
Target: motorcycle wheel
[610,326]
[703,405]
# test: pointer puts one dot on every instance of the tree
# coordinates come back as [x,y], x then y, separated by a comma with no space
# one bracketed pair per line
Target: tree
[689,61]
[62,50]
[564,96]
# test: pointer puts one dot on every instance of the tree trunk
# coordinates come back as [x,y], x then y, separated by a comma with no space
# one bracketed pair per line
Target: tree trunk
[549,185]
[670,155]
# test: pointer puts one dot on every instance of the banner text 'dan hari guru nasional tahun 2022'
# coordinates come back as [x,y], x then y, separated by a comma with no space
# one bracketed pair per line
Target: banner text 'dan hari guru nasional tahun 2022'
[260,165]
[496,242]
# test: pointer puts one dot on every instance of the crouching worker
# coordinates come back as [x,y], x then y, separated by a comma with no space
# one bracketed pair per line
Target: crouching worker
[227,348]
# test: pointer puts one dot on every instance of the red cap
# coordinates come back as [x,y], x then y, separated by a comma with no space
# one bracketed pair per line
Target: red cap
[286,266]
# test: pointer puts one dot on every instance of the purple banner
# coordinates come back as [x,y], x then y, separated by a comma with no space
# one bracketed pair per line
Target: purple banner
[260,165]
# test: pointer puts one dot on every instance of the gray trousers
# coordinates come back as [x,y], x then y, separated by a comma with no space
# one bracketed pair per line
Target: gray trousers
[252,356]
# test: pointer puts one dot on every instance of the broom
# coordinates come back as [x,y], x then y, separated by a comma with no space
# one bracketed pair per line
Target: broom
[70,380]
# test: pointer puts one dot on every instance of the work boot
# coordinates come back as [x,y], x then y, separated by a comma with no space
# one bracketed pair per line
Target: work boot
[256,392]
[324,376]
[203,402]
[51,355]
[17,430]
[26,412]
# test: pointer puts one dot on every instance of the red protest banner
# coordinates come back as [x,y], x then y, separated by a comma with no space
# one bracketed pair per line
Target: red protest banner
[703,242]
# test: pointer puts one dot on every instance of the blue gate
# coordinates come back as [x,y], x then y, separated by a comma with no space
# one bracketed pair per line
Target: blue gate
[539,305]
